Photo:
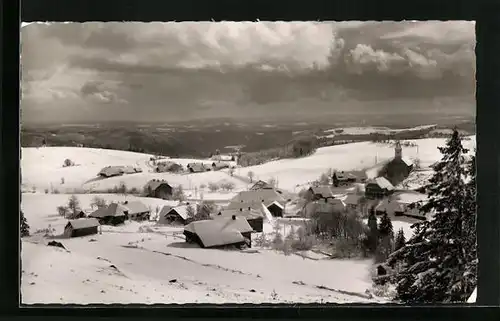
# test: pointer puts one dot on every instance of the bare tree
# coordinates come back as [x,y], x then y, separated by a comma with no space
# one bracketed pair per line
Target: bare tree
[251,175]
[73,204]
[98,202]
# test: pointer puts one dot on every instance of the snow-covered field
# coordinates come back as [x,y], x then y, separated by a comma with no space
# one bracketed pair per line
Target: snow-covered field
[149,263]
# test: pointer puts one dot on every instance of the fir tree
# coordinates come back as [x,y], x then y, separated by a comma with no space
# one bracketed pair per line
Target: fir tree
[400,240]
[373,231]
[385,227]
[24,227]
[435,265]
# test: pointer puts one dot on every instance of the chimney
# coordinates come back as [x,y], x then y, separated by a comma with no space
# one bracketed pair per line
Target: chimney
[233,217]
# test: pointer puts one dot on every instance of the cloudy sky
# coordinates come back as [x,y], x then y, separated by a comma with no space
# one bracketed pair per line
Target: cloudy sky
[180,71]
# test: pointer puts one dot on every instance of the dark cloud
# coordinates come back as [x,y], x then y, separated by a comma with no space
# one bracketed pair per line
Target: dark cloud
[211,68]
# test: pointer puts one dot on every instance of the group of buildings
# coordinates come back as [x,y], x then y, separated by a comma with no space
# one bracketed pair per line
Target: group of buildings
[378,193]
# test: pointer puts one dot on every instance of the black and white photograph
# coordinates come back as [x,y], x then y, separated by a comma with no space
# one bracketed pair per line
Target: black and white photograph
[248,162]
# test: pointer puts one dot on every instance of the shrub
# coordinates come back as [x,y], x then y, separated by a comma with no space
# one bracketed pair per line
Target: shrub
[228,186]
[178,194]
[203,186]
[46,191]
[62,210]
[213,187]
[68,162]
[55,191]
[98,202]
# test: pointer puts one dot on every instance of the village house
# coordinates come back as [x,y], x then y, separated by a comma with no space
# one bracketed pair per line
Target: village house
[113,214]
[378,188]
[175,215]
[353,200]
[254,217]
[81,227]
[247,200]
[223,157]
[158,189]
[261,185]
[136,211]
[407,203]
[397,169]
[168,166]
[320,193]
[217,166]
[197,168]
[348,178]
[110,171]
[162,219]
[77,214]
[131,170]
[221,232]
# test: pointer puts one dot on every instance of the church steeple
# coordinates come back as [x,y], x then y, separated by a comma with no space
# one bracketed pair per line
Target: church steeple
[398,151]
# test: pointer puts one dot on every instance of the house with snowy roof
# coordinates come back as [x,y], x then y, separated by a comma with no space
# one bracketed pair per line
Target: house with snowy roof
[254,199]
[113,214]
[254,217]
[378,188]
[136,210]
[159,189]
[321,193]
[222,232]
[81,227]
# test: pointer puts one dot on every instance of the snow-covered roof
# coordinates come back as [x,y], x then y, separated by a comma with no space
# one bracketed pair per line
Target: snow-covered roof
[266,196]
[113,209]
[260,185]
[112,170]
[383,183]
[155,183]
[181,210]
[248,214]
[277,204]
[83,223]
[223,231]
[407,161]
[324,191]
[136,207]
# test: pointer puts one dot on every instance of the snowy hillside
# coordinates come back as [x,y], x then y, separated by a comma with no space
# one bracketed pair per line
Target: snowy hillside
[42,167]
[293,172]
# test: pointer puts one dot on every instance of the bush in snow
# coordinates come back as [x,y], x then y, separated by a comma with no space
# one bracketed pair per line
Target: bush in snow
[178,194]
[213,187]
[46,191]
[227,186]
[203,186]
[98,202]
[68,162]
[62,210]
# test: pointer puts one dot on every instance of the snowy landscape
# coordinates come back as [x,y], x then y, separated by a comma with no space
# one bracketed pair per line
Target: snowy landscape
[327,217]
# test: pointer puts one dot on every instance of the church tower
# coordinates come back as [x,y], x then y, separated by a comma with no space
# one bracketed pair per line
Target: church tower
[398,151]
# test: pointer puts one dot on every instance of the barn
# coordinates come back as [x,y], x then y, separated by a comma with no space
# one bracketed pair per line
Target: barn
[158,189]
[321,193]
[110,171]
[197,168]
[81,227]
[113,214]
[217,166]
[222,232]
[254,218]
[175,215]
[260,185]
[253,199]
[136,211]
[378,188]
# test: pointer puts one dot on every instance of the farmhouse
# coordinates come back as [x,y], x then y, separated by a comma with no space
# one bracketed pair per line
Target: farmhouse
[254,199]
[254,218]
[177,215]
[162,214]
[406,203]
[232,231]
[216,166]
[110,171]
[222,157]
[347,178]
[397,169]
[79,213]
[321,192]
[113,214]
[168,166]
[136,211]
[352,201]
[158,189]
[378,188]
[197,167]
[261,185]
[131,170]
[81,227]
